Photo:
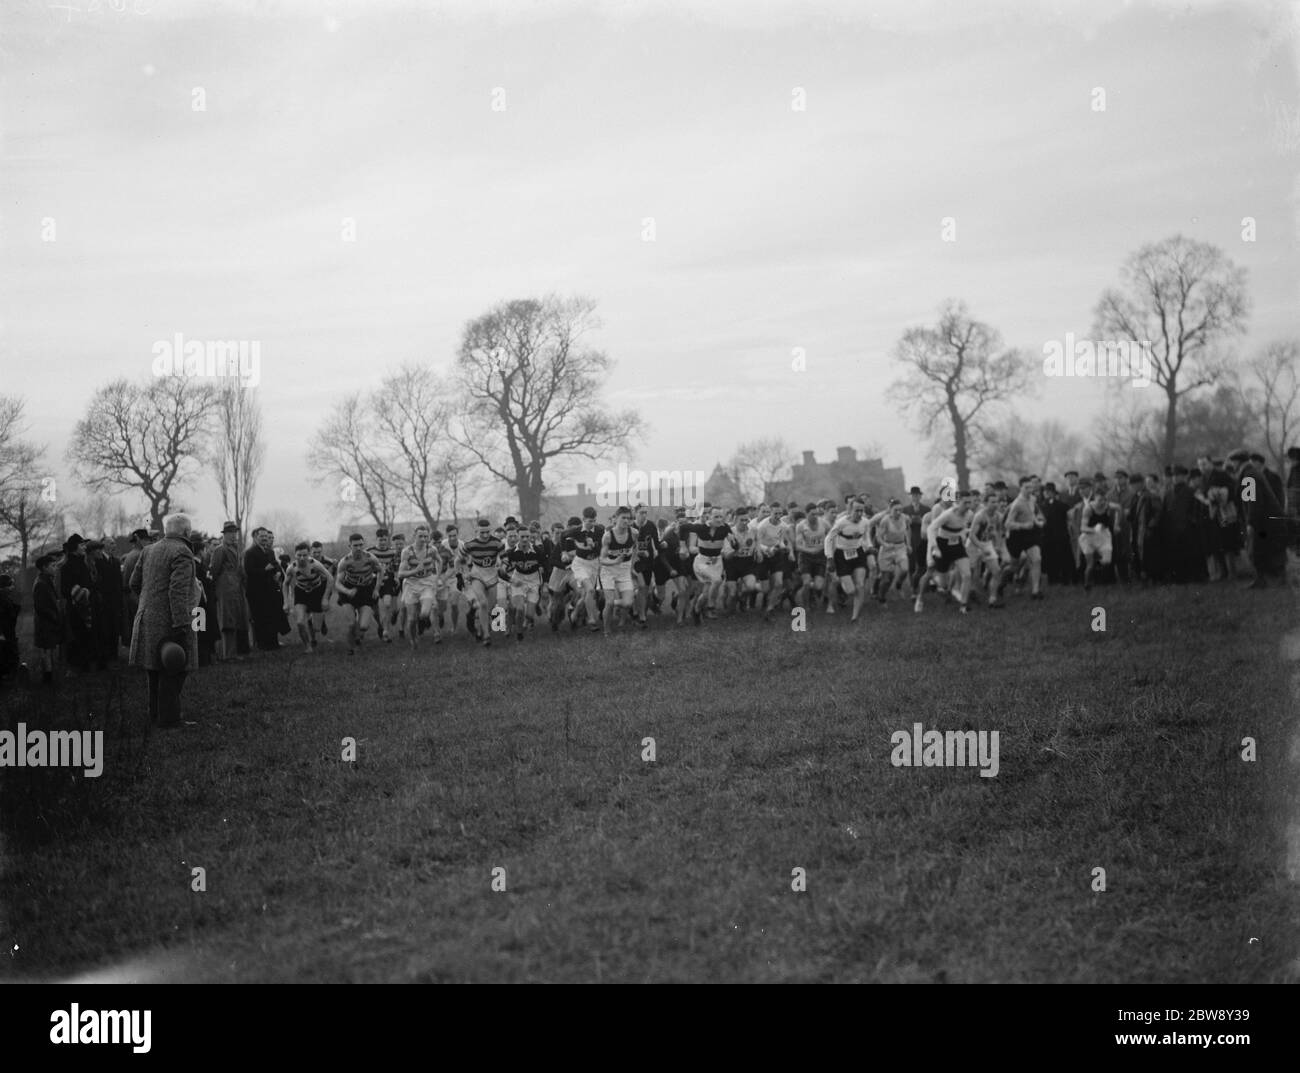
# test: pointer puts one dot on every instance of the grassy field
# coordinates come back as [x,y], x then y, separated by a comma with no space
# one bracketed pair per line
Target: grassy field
[1118,750]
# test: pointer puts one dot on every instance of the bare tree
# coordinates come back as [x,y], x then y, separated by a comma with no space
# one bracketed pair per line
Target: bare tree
[1272,391]
[531,389]
[146,438]
[240,452]
[957,377]
[345,453]
[1017,447]
[1184,298]
[92,515]
[287,525]
[413,413]
[27,496]
[759,464]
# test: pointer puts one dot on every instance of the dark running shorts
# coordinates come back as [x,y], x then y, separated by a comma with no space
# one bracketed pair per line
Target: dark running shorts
[1022,540]
[365,597]
[310,600]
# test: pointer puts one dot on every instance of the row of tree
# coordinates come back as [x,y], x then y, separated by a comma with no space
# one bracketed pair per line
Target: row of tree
[523,398]
[1188,301]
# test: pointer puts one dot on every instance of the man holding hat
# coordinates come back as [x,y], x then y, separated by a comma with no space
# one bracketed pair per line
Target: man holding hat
[165,581]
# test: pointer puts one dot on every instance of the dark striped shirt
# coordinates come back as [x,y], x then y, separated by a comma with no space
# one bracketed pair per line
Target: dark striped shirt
[484,553]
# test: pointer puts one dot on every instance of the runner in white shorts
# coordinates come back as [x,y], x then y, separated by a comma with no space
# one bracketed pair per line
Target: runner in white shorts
[982,548]
[892,529]
[709,541]
[617,550]
[419,573]
[1095,541]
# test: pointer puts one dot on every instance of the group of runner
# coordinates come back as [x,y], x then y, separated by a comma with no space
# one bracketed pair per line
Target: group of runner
[606,576]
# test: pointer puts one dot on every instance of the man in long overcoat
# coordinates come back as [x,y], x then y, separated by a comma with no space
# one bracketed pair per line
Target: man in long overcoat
[227,569]
[165,581]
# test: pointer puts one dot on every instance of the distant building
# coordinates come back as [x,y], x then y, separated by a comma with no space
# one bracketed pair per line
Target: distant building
[722,490]
[812,480]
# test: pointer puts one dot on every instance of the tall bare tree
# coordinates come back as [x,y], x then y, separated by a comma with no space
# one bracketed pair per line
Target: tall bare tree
[1186,299]
[413,413]
[345,453]
[1271,390]
[758,464]
[240,451]
[28,496]
[957,376]
[531,393]
[147,438]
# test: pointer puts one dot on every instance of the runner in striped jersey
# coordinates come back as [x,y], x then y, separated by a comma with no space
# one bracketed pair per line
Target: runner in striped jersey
[358,577]
[306,585]
[387,589]
[479,558]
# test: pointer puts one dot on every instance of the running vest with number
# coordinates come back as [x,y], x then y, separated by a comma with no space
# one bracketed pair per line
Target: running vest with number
[849,538]
[745,543]
[770,534]
[387,557]
[981,529]
[810,541]
[359,574]
[892,530]
[584,543]
[423,564]
[524,563]
[711,540]
[1101,518]
[307,579]
[483,553]
[621,550]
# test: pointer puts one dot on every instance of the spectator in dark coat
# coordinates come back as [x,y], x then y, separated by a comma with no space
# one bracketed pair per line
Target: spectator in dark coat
[265,601]
[1058,556]
[107,574]
[49,618]
[1265,522]
[165,581]
[9,657]
[1181,534]
[1150,523]
[140,539]
[1293,495]
[76,586]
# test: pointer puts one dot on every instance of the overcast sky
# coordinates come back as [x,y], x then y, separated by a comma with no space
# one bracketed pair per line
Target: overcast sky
[774,228]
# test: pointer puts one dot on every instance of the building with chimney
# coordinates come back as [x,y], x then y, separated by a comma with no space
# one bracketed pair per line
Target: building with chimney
[812,480]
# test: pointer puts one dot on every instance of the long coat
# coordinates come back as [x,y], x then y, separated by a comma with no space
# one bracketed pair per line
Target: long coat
[49,615]
[165,581]
[227,569]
